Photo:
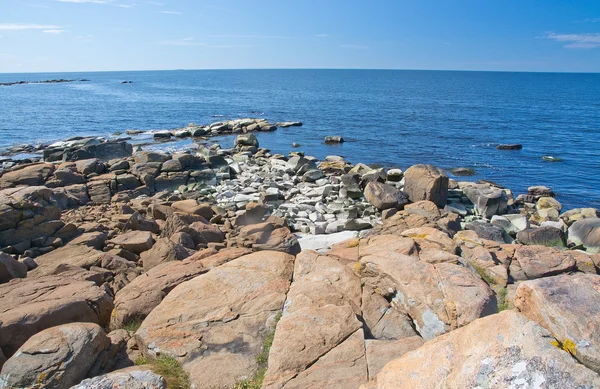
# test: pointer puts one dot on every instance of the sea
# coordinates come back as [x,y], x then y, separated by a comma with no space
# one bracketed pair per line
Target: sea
[392,118]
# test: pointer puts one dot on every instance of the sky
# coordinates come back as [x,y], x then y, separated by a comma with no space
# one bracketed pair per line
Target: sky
[99,35]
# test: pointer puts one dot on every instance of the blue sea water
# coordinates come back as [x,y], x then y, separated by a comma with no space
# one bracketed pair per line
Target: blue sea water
[390,117]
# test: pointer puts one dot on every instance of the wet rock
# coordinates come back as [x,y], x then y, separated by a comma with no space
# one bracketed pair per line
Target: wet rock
[57,357]
[426,182]
[514,146]
[488,201]
[334,139]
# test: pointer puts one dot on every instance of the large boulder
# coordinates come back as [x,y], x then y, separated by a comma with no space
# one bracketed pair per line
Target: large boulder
[438,297]
[383,196]
[504,350]
[569,307]
[11,268]
[136,377]
[30,305]
[74,255]
[543,236]
[136,300]
[586,232]
[164,250]
[55,358]
[426,182]
[532,262]
[215,324]
[134,241]
[488,200]
[30,175]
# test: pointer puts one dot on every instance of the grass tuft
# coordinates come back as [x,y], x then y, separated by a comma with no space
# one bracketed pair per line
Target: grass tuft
[172,372]
[141,361]
[133,323]
[502,303]
[482,273]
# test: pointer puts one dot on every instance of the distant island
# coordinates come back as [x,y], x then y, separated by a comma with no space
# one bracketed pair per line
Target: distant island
[40,82]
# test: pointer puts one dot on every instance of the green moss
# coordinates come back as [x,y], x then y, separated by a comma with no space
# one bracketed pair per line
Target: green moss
[502,303]
[261,359]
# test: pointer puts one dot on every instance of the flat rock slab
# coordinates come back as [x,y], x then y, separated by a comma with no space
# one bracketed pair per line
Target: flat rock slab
[569,307]
[30,305]
[215,324]
[137,299]
[134,241]
[505,350]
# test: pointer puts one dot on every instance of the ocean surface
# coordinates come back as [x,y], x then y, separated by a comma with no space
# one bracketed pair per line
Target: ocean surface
[392,118]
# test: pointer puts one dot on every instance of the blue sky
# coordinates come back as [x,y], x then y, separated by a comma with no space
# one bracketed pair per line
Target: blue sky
[86,35]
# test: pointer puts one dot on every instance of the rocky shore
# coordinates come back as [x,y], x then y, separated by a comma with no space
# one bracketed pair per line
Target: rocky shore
[239,268]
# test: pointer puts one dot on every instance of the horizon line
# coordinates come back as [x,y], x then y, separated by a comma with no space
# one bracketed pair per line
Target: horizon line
[307,68]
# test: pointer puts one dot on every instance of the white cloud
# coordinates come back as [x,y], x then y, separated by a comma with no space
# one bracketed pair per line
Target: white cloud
[576,41]
[355,47]
[171,12]
[54,32]
[21,26]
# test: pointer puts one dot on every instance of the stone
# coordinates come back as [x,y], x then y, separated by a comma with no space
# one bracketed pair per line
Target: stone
[57,357]
[394,175]
[426,182]
[586,232]
[514,146]
[89,166]
[136,377]
[488,201]
[216,336]
[532,262]
[29,175]
[150,156]
[30,305]
[78,255]
[506,348]
[134,241]
[163,250]
[544,236]
[383,196]
[137,299]
[246,140]
[487,231]
[11,268]
[280,239]
[334,139]
[424,208]
[569,307]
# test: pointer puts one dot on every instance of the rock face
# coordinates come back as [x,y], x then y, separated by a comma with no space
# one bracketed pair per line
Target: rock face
[438,297]
[488,200]
[215,324]
[532,262]
[383,196]
[309,348]
[137,299]
[28,306]
[57,357]
[586,232]
[569,307]
[426,182]
[504,350]
[136,377]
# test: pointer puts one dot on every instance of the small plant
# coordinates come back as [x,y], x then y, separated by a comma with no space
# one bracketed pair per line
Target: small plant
[261,359]
[142,360]
[502,303]
[483,274]
[172,372]
[132,323]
